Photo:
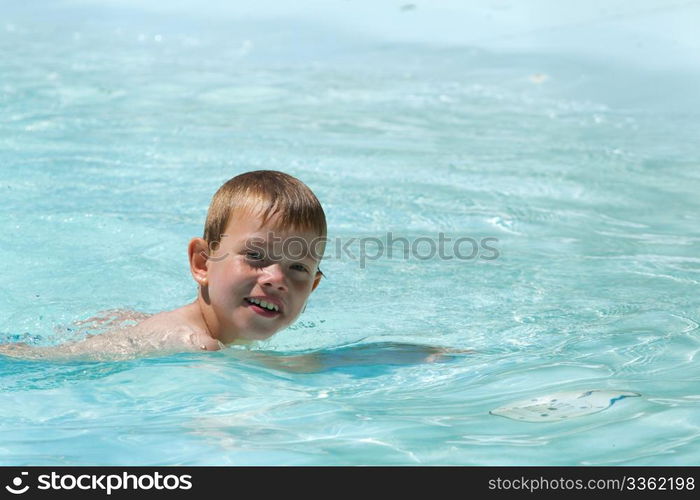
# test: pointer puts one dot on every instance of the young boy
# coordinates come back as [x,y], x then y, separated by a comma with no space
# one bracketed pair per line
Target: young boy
[255,267]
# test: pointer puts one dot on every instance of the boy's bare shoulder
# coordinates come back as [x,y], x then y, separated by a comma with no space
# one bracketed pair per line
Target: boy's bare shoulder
[167,321]
[180,327]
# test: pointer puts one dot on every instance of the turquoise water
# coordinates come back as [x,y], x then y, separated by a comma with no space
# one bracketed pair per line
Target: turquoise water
[117,124]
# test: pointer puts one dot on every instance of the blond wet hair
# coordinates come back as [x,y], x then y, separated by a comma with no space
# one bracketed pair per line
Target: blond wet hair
[265,193]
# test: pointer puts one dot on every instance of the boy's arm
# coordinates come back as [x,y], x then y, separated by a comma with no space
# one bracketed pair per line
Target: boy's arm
[383,353]
[113,345]
[26,351]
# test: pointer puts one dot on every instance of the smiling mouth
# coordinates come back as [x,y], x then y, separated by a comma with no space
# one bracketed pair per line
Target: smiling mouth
[263,308]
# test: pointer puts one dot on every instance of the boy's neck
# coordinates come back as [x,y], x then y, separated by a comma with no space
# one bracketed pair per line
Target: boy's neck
[206,320]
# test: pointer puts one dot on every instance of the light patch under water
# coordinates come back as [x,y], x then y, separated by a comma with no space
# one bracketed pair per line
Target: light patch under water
[562,405]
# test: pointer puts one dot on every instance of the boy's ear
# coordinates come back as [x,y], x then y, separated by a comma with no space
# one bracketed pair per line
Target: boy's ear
[317,280]
[198,252]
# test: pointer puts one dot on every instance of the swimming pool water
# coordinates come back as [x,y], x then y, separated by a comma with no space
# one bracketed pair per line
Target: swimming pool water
[117,125]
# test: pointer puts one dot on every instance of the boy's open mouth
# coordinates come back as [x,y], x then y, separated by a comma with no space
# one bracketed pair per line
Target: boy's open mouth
[267,309]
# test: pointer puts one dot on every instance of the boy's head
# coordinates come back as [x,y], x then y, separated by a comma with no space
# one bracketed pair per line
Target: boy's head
[263,240]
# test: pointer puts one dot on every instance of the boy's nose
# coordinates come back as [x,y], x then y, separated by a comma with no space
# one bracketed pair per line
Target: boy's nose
[273,276]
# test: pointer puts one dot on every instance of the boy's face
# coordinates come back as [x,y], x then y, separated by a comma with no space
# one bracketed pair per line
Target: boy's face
[252,263]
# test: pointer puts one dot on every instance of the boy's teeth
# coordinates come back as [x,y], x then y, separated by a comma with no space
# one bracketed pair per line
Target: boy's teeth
[266,305]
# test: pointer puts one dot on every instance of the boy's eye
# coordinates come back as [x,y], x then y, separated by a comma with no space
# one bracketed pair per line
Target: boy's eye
[300,267]
[258,257]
